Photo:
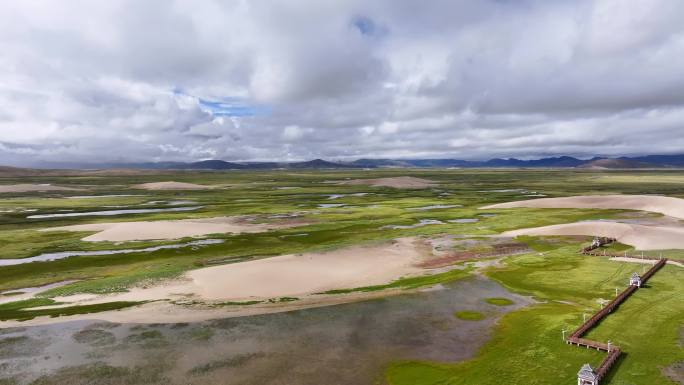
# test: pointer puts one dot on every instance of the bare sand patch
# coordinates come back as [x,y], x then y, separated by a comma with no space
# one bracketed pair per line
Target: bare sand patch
[166,312]
[396,182]
[26,187]
[295,275]
[291,275]
[171,229]
[640,236]
[171,185]
[673,207]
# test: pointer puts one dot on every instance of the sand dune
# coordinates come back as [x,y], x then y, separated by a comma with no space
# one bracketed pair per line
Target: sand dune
[673,207]
[396,182]
[171,185]
[173,229]
[640,236]
[15,188]
[292,275]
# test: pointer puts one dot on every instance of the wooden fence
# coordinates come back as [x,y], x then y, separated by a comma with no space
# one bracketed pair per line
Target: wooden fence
[614,352]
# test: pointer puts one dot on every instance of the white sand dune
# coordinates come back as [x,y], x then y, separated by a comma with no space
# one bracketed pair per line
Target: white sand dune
[640,236]
[396,182]
[171,185]
[172,229]
[292,275]
[26,187]
[673,207]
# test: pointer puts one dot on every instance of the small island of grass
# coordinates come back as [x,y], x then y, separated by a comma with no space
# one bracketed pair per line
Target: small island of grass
[467,315]
[499,301]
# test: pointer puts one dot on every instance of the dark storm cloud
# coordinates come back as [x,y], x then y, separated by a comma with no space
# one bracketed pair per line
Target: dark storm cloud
[244,80]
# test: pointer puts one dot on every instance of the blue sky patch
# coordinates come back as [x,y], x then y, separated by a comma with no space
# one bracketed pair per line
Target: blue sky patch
[232,107]
[365,25]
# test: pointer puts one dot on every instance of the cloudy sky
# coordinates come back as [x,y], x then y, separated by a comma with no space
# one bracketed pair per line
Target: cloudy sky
[118,80]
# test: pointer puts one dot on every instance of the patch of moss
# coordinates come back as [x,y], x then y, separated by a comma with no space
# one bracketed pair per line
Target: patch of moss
[18,312]
[499,301]
[467,315]
[237,360]
[94,337]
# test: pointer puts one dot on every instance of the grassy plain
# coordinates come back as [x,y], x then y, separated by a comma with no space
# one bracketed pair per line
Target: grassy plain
[526,347]
[260,194]
[469,315]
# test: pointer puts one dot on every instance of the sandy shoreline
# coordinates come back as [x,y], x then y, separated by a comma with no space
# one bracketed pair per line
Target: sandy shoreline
[291,275]
[640,236]
[171,229]
[165,312]
[670,206]
[299,276]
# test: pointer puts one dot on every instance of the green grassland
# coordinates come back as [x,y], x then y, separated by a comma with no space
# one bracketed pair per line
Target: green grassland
[468,315]
[259,194]
[410,282]
[499,301]
[526,346]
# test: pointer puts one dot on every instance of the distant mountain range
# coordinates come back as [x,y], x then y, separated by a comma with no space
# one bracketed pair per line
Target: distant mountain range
[648,161]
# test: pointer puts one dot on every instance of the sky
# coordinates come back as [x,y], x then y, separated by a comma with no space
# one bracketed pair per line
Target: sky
[177,80]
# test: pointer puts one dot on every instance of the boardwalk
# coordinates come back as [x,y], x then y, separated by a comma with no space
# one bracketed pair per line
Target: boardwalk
[614,352]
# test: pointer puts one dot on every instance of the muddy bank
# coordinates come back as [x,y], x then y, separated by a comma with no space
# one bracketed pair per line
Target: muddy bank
[173,229]
[342,344]
[293,276]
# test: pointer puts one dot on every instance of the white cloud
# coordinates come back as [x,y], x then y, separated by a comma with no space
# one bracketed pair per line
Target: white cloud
[303,79]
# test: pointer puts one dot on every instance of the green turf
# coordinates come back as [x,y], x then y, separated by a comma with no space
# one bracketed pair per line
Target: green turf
[499,301]
[527,347]
[409,283]
[468,315]
[25,313]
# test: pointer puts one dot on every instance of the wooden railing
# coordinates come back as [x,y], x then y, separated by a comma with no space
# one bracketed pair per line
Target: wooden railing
[607,362]
[653,270]
[603,312]
[614,352]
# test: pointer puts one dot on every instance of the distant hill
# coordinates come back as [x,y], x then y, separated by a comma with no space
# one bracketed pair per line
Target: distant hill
[209,165]
[318,163]
[381,163]
[223,165]
[648,161]
[662,160]
[15,172]
[563,161]
[618,163]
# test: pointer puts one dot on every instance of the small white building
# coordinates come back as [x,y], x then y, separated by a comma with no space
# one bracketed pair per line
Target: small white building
[587,376]
[635,280]
[595,243]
